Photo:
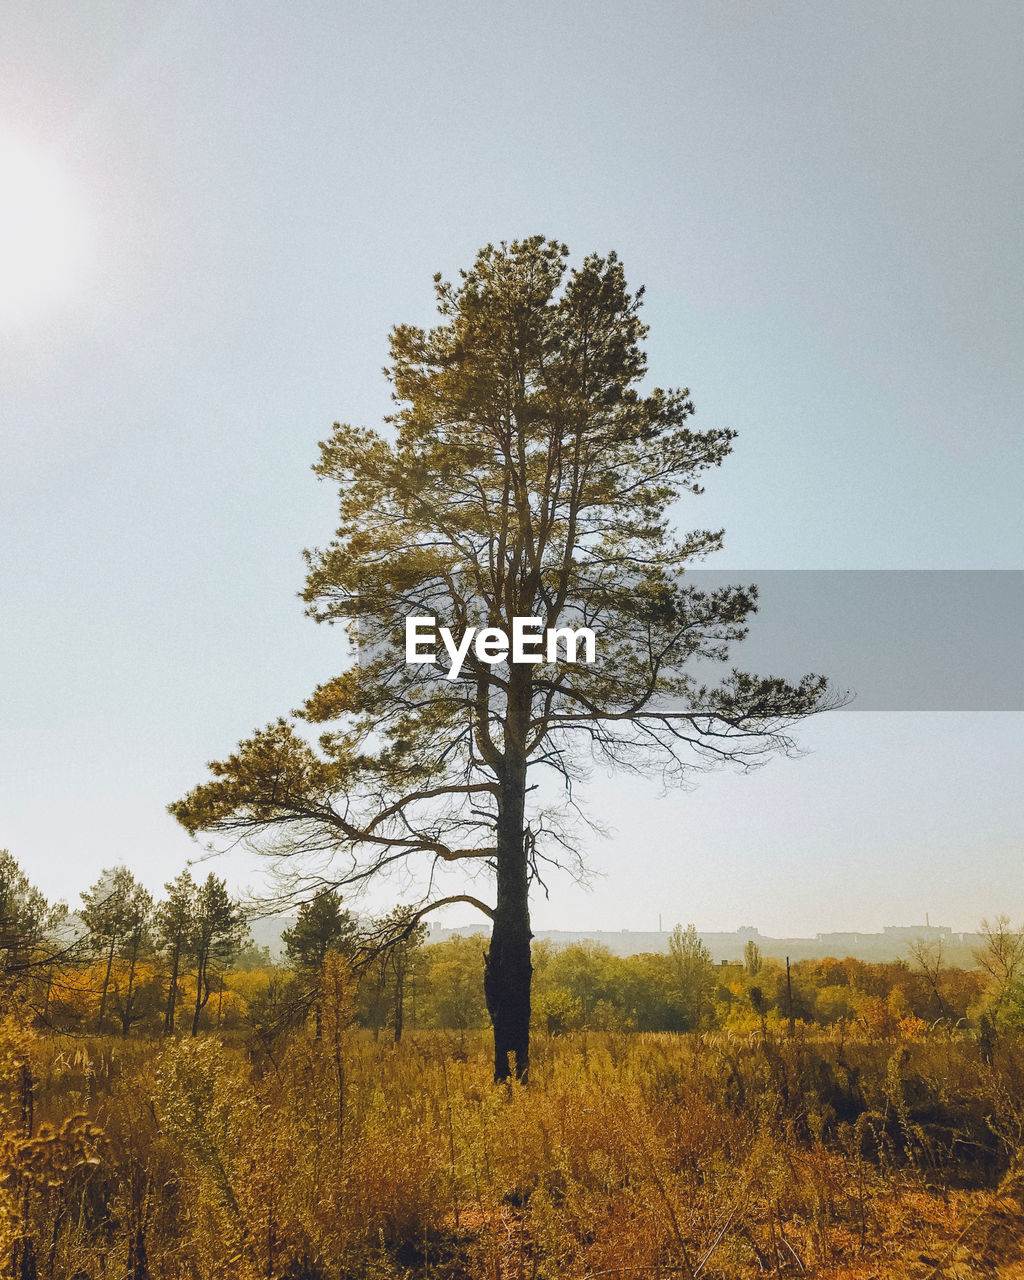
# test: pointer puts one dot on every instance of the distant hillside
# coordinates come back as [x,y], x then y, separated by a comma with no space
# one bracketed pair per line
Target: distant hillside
[891,944]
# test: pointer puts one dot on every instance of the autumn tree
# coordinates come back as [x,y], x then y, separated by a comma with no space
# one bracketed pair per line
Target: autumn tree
[32,947]
[453,995]
[112,910]
[929,958]
[693,976]
[136,941]
[752,958]
[390,949]
[1002,958]
[174,927]
[218,927]
[26,918]
[322,926]
[526,473]
[583,985]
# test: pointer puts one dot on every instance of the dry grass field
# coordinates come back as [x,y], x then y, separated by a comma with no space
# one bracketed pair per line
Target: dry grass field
[827,1155]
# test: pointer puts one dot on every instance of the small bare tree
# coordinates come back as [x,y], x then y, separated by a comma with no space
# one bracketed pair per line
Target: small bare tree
[928,955]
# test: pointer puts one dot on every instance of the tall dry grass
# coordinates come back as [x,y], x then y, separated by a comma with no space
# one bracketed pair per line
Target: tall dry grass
[629,1155]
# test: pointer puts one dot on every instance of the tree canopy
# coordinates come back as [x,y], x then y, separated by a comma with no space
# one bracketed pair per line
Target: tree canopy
[322,925]
[27,920]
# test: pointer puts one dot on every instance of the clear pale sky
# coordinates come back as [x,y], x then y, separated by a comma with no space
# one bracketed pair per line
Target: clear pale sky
[823,201]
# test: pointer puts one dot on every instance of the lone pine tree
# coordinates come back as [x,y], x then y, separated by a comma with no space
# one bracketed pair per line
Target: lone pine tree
[525,473]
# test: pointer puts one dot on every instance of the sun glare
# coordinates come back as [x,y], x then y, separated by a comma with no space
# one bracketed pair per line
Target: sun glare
[41,232]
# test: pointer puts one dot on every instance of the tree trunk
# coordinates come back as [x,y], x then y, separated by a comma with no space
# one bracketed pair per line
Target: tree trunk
[106,984]
[318,1008]
[200,983]
[399,998]
[126,1016]
[507,967]
[379,1007]
[172,991]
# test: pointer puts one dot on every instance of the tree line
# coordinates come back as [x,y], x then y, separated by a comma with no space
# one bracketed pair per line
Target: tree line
[136,955]
[186,962]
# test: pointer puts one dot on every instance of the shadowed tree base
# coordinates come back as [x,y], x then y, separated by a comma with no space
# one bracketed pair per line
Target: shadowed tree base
[507,974]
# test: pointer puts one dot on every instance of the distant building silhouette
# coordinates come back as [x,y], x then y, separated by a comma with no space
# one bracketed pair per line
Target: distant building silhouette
[891,944]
